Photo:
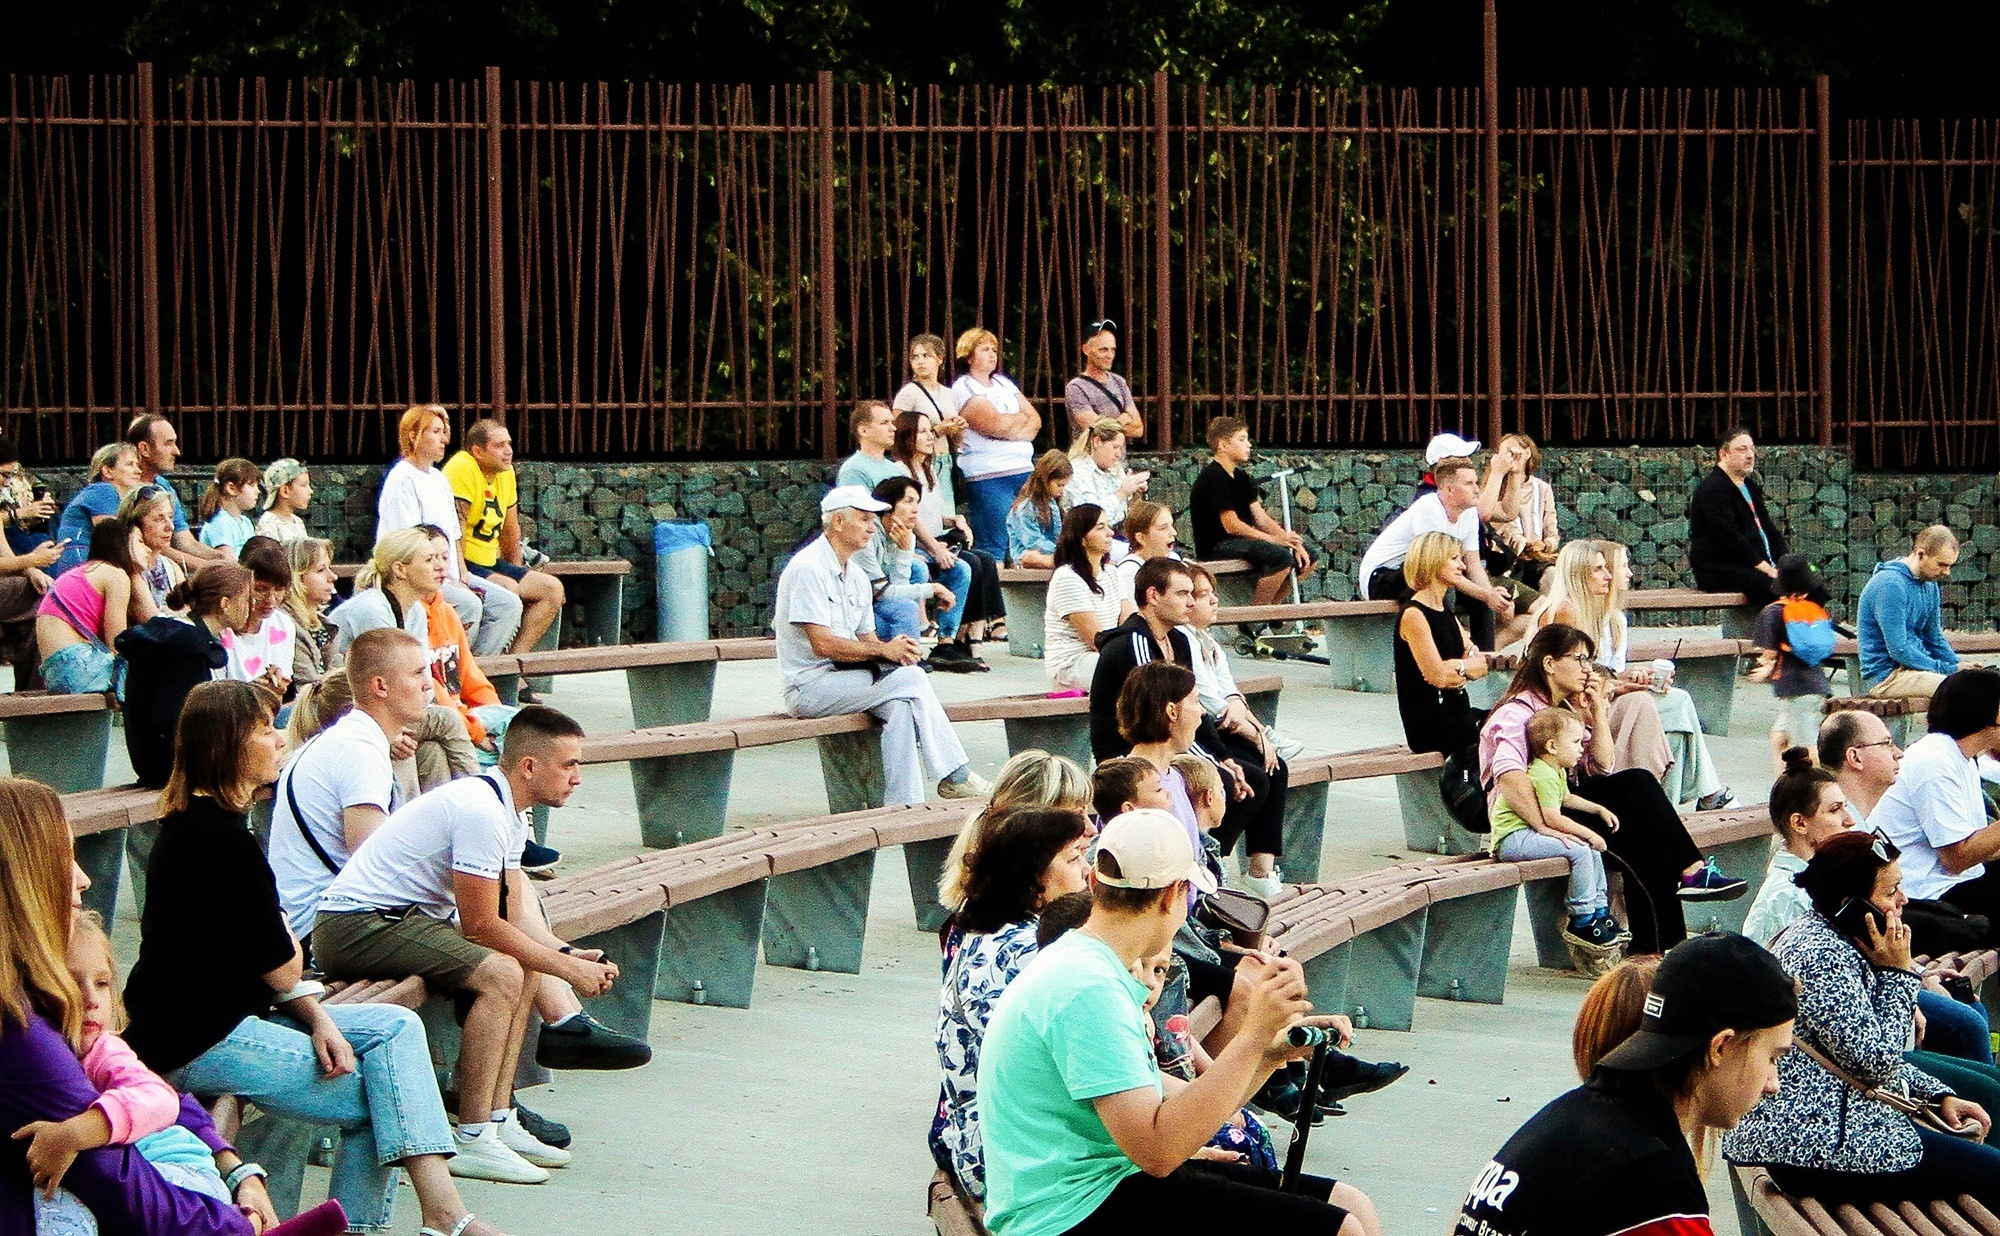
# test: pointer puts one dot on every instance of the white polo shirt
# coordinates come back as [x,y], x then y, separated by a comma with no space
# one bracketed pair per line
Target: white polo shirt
[1426,514]
[816,589]
[469,825]
[346,765]
[1935,802]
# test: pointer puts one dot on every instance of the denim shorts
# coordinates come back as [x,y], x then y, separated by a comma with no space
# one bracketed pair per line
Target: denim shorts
[511,570]
[79,669]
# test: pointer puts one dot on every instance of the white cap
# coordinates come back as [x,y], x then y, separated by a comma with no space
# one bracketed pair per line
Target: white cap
[849,498]
[1153,851]
[1448,445]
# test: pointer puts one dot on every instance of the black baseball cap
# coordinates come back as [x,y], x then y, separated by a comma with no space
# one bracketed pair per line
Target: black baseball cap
[1706,983]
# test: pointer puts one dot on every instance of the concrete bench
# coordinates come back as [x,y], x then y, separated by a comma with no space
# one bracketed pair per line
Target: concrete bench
[681,774]
[598,585]
[1902,716]
[1360,637]
[98,820]
[1025,592]
[1739,617]
[1703,667]
[59,740]
[1762,1207]
[1427,825]
[668,683]
[1964,643]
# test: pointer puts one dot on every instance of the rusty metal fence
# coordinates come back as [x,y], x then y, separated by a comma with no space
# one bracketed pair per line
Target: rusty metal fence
[657,270]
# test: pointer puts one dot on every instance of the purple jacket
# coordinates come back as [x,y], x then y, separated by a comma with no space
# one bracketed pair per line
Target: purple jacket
[41,1079]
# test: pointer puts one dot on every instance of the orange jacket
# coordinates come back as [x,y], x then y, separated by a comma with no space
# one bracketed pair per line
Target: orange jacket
[455,673]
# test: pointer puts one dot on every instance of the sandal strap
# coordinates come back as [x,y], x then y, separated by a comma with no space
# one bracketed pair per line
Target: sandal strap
[457,1229]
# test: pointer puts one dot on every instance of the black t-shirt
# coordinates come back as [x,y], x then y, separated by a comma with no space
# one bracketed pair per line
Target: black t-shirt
[1608,1157]
[213,928]
[1214,492]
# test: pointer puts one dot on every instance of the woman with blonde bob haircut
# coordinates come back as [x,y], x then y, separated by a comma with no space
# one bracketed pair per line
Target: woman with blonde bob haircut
[1434,658]
[1034,778]
[41,1028]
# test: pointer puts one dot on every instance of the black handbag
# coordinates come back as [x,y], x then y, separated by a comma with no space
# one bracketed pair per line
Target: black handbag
[1459,786]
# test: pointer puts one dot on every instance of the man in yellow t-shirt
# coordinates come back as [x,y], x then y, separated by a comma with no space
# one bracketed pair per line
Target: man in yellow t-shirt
[482,483]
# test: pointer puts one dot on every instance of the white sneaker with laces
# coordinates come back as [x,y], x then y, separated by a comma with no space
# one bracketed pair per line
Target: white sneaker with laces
[486,1157]
[974,786]
[528,1146]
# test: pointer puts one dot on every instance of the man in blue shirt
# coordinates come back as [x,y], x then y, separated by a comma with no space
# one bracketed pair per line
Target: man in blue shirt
[1083,1134]
[1901,620]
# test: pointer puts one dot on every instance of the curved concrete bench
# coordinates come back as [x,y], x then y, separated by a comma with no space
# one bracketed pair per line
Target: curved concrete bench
[1761,1206]
[1964,643]
[1902,716]
[60,740]
[597,584]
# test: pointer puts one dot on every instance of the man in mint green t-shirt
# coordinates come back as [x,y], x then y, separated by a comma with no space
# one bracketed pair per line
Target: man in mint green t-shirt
[1083,1135]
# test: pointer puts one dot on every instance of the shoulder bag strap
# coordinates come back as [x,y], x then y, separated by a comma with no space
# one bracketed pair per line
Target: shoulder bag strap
[76,623]
[1117,404]
[298,819]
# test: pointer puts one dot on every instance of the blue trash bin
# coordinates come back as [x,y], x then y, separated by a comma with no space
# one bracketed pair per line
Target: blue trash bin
[681,550]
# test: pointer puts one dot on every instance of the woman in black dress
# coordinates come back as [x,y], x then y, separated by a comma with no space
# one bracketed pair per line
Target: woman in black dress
[1434,659]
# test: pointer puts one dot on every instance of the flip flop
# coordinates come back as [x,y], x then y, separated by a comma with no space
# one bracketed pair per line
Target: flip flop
[457,1229]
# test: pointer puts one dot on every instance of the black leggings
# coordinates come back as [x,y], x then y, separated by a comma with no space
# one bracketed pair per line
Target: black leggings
[985,603]
[1950,1166]
[1219,1196]
[1260,817]
[1653,845]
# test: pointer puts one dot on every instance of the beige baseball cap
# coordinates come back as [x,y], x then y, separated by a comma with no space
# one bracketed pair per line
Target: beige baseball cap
[1153,851]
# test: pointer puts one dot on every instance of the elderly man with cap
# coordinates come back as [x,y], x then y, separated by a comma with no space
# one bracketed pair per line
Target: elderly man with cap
[1083,1134]
[1454,510]
[1617,1154]
[832,661]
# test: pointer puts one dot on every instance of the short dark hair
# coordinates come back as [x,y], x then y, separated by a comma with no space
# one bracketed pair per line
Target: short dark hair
[1143,700]
[533,731]
[1797,789]
[864,414]
[1730,435]
[1842,868]
[1796,577]
[1117,900]
[265,559]
[477,433]
[892,488]
[1222,428]
[1116,782]
[140,431]
[1003,882]
[1965,703]
[1838,735]
[1062,916]
[1156,575]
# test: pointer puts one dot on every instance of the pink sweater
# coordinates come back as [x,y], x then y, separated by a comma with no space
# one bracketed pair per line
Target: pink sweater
[131,1096]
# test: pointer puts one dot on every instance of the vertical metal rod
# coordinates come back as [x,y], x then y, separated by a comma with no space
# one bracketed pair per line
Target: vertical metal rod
[1163,285]
[1490,191]
[149,243]
[496,254]
[829,437]
[1823,257]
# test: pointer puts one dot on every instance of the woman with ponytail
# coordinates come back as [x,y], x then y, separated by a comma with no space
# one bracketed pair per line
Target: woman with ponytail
[226,505]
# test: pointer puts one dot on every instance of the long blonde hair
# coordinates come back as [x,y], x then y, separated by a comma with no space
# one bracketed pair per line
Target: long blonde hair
[1568,583]
[303,555]
[35,917]
[1034,778]
[394,549]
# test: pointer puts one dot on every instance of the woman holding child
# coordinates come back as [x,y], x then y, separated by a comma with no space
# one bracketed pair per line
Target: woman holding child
[1640,829]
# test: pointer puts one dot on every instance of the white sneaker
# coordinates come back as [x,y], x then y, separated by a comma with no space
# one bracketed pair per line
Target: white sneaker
[486,1157]
[528,1146]
[1269,887]
[974,786]
[1288,748]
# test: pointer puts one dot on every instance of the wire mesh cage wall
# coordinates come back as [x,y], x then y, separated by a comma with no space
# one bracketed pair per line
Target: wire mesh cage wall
[652,270]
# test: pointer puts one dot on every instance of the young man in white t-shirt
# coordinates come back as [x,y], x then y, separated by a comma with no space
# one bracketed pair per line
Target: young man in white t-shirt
[1454,511]
[438,891]
[1936,812]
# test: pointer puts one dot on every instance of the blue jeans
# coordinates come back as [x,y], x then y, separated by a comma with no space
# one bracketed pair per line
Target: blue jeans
[987,502]
[1586,866]
[1954,1029]
[895,616]
[392,1092]
[959,580]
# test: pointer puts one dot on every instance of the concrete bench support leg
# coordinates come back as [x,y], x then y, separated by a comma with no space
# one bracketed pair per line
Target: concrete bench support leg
[1264,706]
[635,947]
[1712,683]
[440,1018]
[1465,947]
[925,861]
[1024,617]
[284,1146]
[1548,910]
[852,767]
[1362,652]
[682,798]
[1427,826]
[1382,974]
[102,857]
[542,683]
[670,694]
[1749,859]
[708,948]
[1326,978]
[1068,737]
[64,752]
[1740,622]
[817,919]
[1305,831]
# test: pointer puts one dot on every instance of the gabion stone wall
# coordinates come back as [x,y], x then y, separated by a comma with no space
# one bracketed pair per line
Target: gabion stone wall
[758,511]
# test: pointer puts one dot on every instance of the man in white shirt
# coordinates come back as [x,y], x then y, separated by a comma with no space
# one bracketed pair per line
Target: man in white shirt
[1453,510]
[438,891]
[340,787]
[417,497]
[832,662]
[1856,747]
[1936,812]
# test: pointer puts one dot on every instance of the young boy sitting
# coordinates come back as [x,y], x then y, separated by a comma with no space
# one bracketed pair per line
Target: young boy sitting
[1555,735]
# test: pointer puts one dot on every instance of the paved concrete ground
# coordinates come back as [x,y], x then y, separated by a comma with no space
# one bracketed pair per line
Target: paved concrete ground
[808,1112]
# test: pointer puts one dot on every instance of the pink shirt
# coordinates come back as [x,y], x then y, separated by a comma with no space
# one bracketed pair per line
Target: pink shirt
[131,1096]
[75,600]
[1503,742]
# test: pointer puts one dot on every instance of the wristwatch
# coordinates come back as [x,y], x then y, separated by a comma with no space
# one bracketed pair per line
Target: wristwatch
[242,1172]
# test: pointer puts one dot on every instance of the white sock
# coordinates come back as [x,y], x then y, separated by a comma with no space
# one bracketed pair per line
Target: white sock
[503,1116]
[473,1132]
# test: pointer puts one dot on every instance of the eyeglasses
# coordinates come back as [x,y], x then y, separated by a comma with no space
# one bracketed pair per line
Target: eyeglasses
[1880,742]
[1581,658]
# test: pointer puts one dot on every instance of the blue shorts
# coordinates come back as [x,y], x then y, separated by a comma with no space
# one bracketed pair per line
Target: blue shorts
[511,570]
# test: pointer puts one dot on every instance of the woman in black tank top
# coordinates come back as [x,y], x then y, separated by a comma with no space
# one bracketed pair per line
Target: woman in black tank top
[1433,661]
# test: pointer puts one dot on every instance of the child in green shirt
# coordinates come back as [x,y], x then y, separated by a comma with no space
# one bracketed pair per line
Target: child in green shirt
[1556,737]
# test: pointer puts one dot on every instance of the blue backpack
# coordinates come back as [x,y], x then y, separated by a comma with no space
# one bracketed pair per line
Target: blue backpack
[1808,631]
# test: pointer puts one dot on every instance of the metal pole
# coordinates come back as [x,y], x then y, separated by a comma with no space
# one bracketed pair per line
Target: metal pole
[1163,284]
[149,244]
[1490,191]
[496,255]
[829,434]
[1823,259]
